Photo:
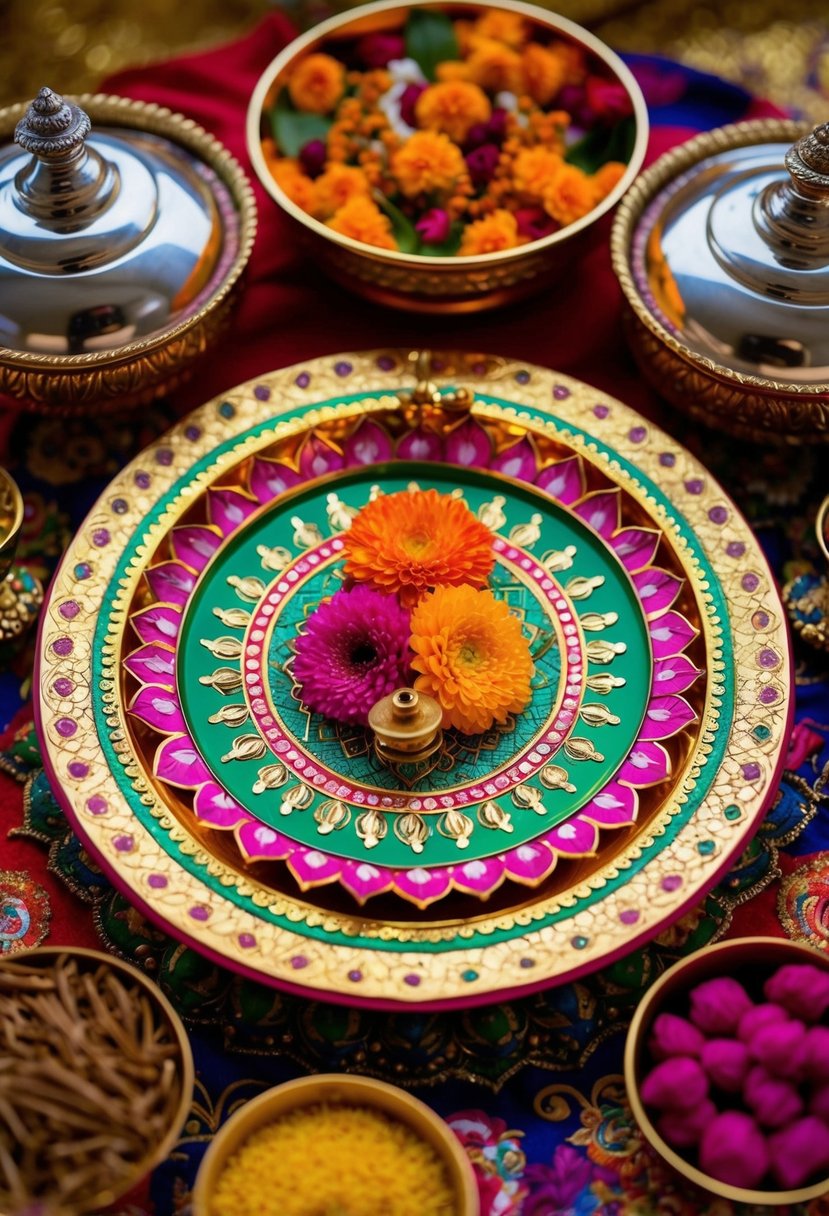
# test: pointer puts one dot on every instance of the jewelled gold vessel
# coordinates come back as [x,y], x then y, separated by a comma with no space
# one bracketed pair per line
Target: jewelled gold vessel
[721,250]
[124,231]
[440,284]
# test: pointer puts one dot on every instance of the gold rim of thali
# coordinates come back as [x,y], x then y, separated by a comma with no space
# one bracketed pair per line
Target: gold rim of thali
[233,935]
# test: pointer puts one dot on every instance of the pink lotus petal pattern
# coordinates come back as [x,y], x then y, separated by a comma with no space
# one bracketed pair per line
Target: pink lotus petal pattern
[319,458]
[214,805]
[469,445]
[563,481]
[153,664]
[666,716]
[159,707]
[656,589]
[269,478]
[158,623]
[369,444]
[171,582]
[635,547]
[228,509]
[519,461]
[195,544]
[178,762]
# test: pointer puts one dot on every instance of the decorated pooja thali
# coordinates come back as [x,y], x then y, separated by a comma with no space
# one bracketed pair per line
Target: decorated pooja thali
[251,810]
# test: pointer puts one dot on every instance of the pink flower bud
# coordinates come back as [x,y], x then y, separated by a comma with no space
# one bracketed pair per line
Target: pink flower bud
[482,163]
[408,99]
[779,1047]
[801,988]
[434,226]
[312,157]
[758,1016]
[815,1063]
[683,1128]
[819,1103]
[674,1036]
[535,223]
[376,50]
[800,1151]
[726,1063]
[607,99]
[734,1150]
[676,1084]
[717,1005]
[773,1101]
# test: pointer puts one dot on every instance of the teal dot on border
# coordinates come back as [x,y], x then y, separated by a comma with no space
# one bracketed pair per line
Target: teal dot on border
[227,410]
[579,942]
[732,812]
[761,733]
[706,847]
[469,976]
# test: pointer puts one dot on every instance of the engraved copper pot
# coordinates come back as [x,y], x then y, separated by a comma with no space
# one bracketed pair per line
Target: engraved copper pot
[124,231]
[722,252]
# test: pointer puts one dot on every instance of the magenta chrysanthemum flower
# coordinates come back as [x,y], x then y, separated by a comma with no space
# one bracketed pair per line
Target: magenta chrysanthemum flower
[354,650]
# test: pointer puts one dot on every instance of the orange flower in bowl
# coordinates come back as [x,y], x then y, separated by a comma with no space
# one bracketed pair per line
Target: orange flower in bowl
[454,107]
[409,542]
[428,162]
[491,234]
[362,220]
[336,187]
[472,657]
[317,83]
[570,195]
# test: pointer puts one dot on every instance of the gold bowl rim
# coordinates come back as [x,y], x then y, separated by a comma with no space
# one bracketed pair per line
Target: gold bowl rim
[147,116]
[664,170]
[346,1090]
[759,950]
[822,527]
[544,17]
[161,1149]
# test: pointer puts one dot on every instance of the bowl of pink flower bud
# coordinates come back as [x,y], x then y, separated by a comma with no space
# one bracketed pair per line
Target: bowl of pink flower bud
[727,1070]
[447,157]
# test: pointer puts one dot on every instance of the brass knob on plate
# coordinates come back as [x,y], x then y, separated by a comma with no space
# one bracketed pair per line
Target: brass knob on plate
[406,726]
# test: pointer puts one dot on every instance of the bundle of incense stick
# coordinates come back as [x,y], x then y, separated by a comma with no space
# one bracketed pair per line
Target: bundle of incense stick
[89,1084]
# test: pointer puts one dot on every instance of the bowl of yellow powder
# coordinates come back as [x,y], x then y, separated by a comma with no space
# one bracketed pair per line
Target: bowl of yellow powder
[335,1146]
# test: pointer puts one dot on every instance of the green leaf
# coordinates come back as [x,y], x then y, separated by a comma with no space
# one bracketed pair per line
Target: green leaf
[402,227]
[447,248]
[292,129]
[430,39]
[602,144]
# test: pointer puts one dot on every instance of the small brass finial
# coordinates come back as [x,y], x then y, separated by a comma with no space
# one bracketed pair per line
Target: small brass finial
[406,726]
[808,161]
[51,126]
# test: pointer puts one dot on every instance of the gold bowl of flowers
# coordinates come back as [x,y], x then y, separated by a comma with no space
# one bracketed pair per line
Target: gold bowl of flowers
[335,1143]
[727,1070]
[446,157]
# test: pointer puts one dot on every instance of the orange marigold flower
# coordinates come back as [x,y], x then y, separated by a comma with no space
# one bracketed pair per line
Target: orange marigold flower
[545,72]
[415,540]
[503,26]
[494,66]
[533,170]
[472,657]
[362,220]
[454,107]
[570,195]
[292,181]
[607,177]
[317,84]
[336,186]
[490,235]
[427,162]
[452,69]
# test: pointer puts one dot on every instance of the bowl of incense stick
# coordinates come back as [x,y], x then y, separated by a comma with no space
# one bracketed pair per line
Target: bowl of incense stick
[96,1078]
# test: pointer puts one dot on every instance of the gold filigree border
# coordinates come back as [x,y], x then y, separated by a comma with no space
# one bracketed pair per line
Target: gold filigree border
[631,912]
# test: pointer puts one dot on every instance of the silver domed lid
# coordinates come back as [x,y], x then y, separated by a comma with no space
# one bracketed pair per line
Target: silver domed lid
[105,237]
[732,256]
